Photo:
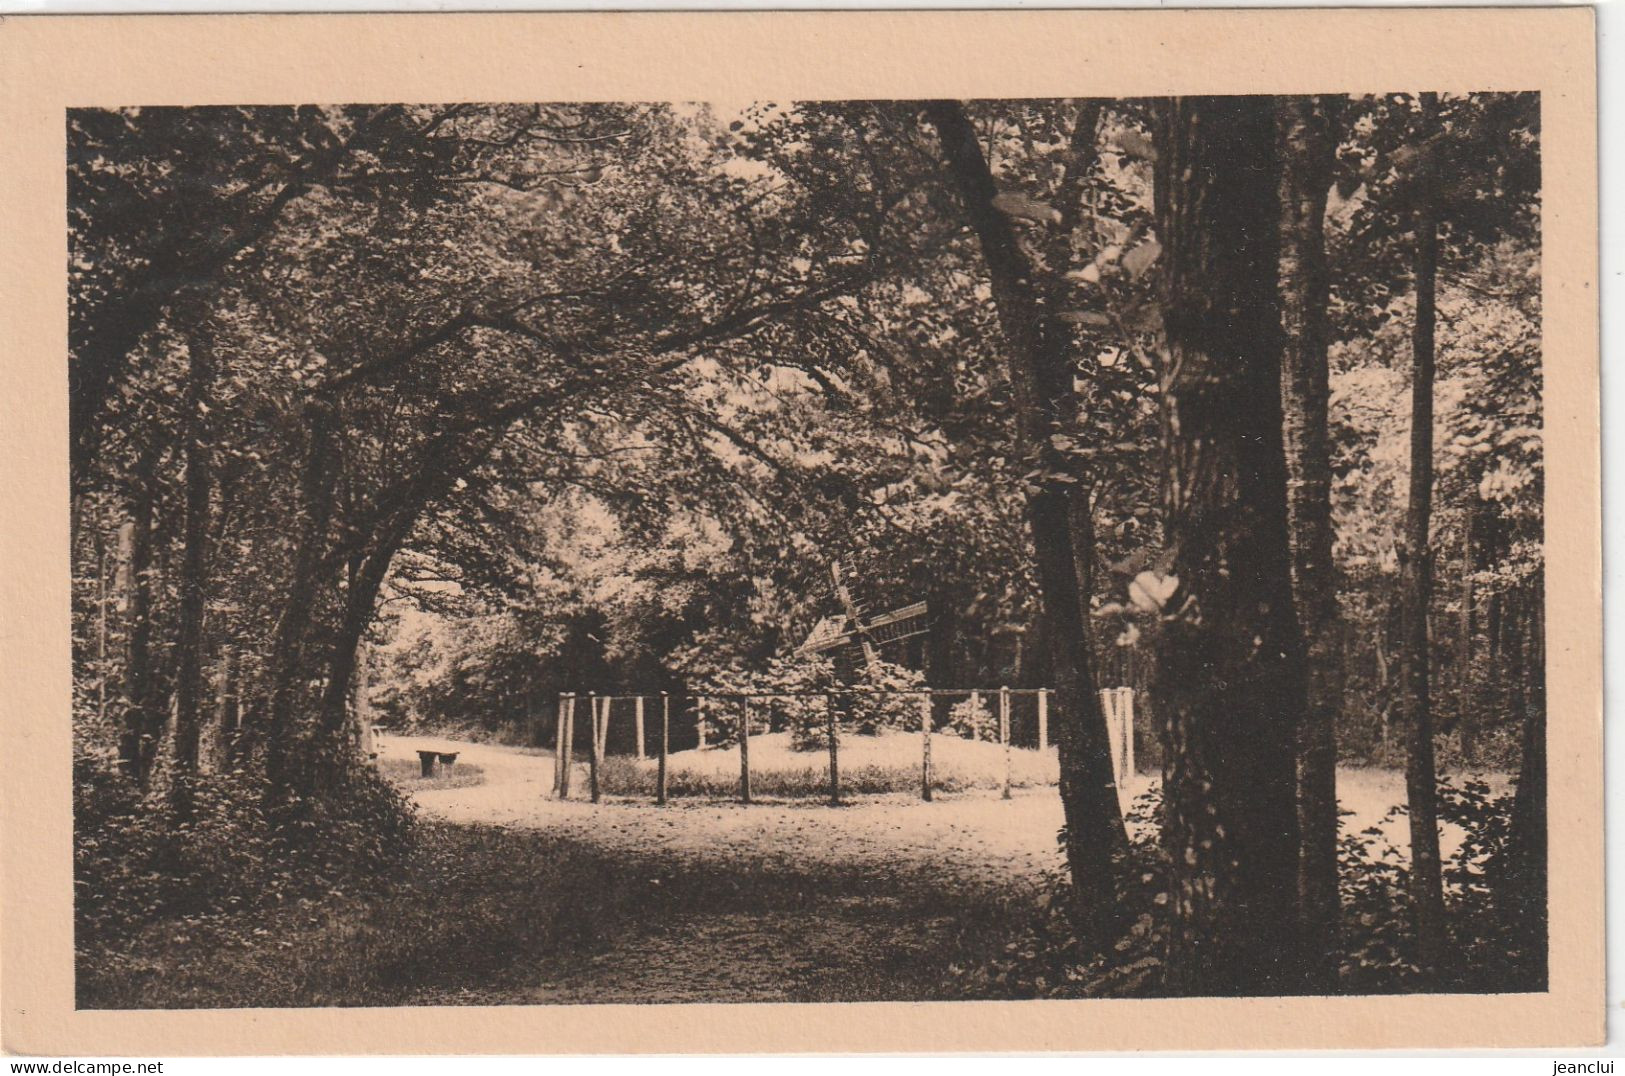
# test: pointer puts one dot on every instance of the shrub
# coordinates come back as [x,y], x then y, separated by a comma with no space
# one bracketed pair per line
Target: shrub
[1379,951]
[883,698]
[795,677]
[137,862]
[1046,958]
[1496,892]
[1495,915]
[972,718]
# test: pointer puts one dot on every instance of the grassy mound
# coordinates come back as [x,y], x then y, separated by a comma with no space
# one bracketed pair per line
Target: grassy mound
[870,765]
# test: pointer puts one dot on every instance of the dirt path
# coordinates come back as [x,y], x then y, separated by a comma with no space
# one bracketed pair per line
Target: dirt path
[975,839]
[870,901]
[897,883]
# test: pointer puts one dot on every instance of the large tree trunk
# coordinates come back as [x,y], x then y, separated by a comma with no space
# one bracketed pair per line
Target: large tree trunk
[1229,683]
[288,670]
[1416,578]
[1529,815]
[336,748]
[330,750]
[1308,142]
[1040,375]
[1519,623]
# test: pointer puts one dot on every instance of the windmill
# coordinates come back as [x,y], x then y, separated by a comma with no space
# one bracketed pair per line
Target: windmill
[855,630]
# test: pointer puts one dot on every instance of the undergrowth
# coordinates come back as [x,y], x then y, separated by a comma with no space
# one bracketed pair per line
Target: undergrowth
[1495,917]
[483,915]
[137,862]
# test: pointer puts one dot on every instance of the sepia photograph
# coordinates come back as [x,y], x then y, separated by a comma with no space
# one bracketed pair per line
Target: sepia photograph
[821,533]
[807,550]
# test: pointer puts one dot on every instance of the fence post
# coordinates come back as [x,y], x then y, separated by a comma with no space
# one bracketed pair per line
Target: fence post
[975,708]
[832,730]
[601,727]
[665,745]
[1004,734]
[1108,704]
[1116,698]
[744,753]
[925,747]
[569,743]
[592,759]
[638,715]
[558,750]
[1043,719]
[1128,734]
[699,709]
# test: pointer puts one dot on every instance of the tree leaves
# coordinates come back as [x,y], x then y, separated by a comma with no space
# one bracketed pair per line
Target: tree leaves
[1025,207]
[1150,591]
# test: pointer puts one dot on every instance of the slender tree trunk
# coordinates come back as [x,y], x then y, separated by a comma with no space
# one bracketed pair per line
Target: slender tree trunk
[1308,142]
[1229,685]
[1466,719]
[1040,374]
[1492,637]
[941,675]
[193,572]
[1421,776]
[1379,652]
[225,690]
[142,722]
[101,628]
[361,703]
[391,530]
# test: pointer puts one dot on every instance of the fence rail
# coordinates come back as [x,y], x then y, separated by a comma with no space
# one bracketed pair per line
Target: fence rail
[738,696]
[1117,705]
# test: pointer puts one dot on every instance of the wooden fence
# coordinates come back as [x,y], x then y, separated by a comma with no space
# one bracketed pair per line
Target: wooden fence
[1117,704]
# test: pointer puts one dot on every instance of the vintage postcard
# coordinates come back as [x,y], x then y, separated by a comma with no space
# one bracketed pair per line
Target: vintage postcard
[811,532]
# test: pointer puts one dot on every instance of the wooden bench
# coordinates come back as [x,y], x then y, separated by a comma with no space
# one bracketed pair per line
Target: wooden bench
[432,762]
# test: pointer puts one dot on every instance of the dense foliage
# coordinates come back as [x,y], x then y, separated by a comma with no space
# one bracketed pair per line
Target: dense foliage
[1489,919]
[427,414]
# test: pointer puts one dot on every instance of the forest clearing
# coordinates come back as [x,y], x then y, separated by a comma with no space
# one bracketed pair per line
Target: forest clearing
[971,835]
[882,899]
[911,549]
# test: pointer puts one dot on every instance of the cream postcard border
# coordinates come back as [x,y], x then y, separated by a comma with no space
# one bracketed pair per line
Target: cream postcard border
[50,63]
